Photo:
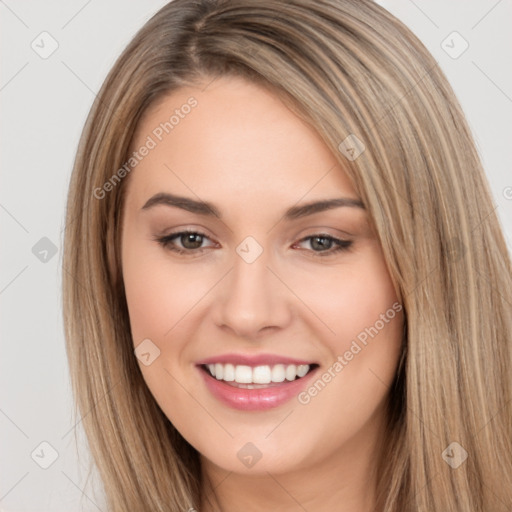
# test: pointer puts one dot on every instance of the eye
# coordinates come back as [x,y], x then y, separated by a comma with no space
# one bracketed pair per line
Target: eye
[191,241]
[325,245]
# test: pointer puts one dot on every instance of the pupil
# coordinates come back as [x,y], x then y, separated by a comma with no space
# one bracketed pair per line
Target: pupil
[321,245]
[195,241]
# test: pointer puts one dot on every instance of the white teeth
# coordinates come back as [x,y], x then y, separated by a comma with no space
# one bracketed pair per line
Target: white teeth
[278,373]
[291,372]
[229,373]
[219,371]
[264,374]
[261,375]
[302,369]
[243,374]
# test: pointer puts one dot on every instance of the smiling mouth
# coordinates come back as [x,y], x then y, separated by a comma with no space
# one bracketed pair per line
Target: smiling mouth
[257,377]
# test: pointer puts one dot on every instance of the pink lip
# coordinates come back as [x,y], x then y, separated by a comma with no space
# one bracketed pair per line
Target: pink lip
[253,360]
[255,399]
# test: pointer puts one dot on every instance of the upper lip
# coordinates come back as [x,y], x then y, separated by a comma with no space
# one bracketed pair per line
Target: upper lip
[253,360]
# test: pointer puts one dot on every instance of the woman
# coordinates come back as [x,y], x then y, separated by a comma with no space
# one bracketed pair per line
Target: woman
[285,286]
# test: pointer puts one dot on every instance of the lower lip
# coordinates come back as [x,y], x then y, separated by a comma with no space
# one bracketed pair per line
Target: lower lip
[255,399]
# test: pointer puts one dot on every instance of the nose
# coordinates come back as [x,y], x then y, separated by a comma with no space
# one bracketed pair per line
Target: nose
[252,299]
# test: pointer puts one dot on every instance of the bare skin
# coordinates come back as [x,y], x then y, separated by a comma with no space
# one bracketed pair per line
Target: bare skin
[243,151]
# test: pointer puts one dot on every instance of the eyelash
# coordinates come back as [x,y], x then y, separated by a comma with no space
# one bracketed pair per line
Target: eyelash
[166,242]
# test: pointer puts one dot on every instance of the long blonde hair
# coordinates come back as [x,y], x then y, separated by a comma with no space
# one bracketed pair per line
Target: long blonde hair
[349,68]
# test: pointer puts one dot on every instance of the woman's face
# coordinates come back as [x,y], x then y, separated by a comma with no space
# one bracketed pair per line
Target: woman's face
[263,289]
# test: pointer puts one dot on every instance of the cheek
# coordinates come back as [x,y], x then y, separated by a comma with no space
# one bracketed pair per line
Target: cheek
[349,298]
[361,322]
[158,294]
[158,299]
[145,287]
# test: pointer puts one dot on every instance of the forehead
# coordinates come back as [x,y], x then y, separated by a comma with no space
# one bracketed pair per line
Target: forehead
[234,140]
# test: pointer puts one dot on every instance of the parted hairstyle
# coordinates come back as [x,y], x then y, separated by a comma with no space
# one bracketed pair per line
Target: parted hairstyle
[348,68]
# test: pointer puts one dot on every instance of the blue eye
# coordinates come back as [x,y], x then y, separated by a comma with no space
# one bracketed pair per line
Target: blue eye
[191,242]
[326,244]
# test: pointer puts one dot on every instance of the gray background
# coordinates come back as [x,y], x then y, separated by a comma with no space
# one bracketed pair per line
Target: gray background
[44,105]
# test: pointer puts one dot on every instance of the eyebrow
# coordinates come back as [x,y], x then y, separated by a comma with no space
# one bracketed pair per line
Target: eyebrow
[206,208]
